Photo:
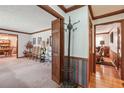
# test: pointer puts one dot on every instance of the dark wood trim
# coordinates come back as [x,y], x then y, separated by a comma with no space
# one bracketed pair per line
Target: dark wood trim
[78,58]
[16,42]
[109,14]
[17,55]
[14,31]
[72,8]
[51,11]
[62,47]
[122,50]
[91,12]
[110,22]
[63,8]
[24,32]
[102,33]
[90,56]
[104,15]
[94,49]
[44,30]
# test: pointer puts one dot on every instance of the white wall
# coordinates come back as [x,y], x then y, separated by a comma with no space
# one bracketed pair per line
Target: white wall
[44,36]
[113,46]
[79,38]
[22,41]
[100,37]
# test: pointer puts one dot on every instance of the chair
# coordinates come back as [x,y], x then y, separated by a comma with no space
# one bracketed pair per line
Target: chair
[37,56]
[33,52]
[42,54]
[10,51]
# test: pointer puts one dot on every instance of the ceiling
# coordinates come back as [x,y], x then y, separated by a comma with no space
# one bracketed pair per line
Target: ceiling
[106,28]
[68,6]
[97,11]
[24,18]
[100,11]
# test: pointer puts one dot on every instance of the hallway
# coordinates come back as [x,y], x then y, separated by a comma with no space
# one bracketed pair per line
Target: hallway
[25,73]
[106,77]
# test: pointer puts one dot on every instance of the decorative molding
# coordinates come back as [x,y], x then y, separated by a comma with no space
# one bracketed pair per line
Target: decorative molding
[63,8]
[91,12]
[110,14]
[51,11]
[110,22]
[72,8]
[24,32]
[102,33]
[44,30]
[78,58]
[14,31]
[104,15]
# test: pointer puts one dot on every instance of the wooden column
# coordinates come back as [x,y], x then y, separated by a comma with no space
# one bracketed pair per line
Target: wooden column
[122,50]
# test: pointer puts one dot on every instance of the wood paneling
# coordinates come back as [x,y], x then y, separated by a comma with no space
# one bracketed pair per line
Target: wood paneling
[79,70]
[56,26]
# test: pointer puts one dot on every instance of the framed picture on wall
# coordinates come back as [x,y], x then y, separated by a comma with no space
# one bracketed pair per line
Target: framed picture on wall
[111,37]
[34,41]
[50,40]
[39,40]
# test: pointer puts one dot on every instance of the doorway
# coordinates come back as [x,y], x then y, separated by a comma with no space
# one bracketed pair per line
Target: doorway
[108,50]
[8,45]
[57,44]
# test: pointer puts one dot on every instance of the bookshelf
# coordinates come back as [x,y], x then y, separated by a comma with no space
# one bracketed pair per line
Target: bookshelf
[4,43]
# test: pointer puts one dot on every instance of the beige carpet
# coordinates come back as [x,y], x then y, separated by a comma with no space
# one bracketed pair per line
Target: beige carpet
[25,73]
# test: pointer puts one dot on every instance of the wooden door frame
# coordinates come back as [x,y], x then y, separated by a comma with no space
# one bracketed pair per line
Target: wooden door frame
[16,42]
[57,15]
[90,58]
[122,43]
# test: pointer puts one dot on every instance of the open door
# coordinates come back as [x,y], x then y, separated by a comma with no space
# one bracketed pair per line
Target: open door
[57,49]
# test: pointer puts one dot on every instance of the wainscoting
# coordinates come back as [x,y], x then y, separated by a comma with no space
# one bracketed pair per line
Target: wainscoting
[79,73]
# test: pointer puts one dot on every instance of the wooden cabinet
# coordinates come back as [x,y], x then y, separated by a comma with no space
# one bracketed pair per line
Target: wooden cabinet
[4,44]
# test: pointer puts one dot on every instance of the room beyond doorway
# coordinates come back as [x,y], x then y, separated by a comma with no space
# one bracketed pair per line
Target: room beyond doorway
[8,45]
[108,46]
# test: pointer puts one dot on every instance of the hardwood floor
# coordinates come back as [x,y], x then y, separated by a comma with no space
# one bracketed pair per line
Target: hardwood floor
[106,77]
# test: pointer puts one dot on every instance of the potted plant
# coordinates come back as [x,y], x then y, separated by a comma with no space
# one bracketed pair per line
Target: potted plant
[29,46]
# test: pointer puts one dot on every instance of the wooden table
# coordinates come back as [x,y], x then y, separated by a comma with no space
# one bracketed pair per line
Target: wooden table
[6,51]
